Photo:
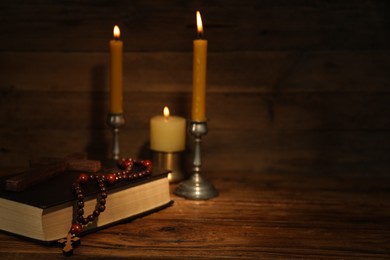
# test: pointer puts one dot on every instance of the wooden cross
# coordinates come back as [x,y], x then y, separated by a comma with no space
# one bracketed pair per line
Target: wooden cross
[68,243]
[45,168]
[73,161]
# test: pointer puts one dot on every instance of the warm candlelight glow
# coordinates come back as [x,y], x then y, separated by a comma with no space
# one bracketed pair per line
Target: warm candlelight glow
[199,23]
[166,113]
[117,32]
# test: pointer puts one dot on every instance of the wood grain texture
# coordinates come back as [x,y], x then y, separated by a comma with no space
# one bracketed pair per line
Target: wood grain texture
[241,71]
[255,111]
[270,215]
[250,113]
[229,25]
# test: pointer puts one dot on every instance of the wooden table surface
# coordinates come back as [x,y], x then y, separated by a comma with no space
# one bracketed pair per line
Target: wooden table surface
[266,214]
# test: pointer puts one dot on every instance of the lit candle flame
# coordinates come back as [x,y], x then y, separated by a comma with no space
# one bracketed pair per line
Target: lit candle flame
[166,113]
[199,24]
[117,32]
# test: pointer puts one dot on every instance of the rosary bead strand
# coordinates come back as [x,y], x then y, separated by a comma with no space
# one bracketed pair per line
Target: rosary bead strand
[124,174]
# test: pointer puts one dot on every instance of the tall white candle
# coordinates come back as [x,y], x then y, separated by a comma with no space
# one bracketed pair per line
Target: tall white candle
[167,133]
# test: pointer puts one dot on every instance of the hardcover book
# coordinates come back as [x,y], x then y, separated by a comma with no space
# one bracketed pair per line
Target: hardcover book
[46,211]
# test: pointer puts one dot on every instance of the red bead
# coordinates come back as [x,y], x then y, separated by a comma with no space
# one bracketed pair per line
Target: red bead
[80,197]
[80,219]
[76,228]
[83,178]
[84,221]
[96,213]
[80,212]
[80,204]
[147,163]
[111,178]
[125,163]
[91,218]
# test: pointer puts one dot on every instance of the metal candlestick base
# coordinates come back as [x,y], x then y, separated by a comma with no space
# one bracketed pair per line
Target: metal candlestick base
[173,162]
[115,121]
[196,187]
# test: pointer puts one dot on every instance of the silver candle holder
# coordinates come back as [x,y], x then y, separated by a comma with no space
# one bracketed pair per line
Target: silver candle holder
[115,121]
[196,187]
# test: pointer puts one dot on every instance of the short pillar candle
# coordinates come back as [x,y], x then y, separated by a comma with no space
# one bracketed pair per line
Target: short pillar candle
[167,133]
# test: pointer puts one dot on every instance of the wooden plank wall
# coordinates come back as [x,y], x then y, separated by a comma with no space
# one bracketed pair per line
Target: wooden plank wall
[292,85]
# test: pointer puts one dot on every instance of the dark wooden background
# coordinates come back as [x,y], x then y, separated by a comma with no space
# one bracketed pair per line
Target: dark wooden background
[291,84]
